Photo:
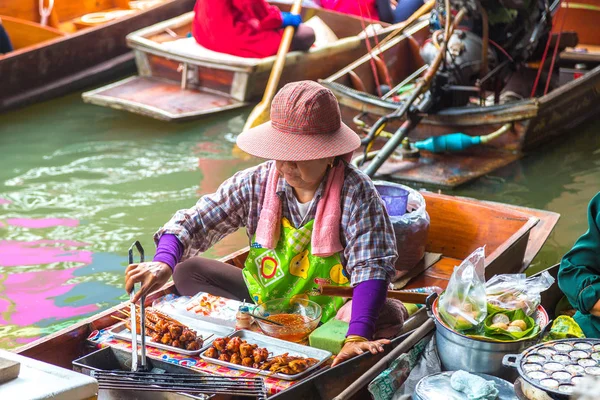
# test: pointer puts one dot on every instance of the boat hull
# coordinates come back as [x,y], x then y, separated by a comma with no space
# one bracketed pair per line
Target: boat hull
[62,65]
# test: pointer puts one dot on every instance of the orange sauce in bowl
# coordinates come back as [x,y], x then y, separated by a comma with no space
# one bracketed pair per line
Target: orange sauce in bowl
[295,329]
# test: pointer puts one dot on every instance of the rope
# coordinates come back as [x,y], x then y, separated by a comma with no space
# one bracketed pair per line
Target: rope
[381,54]
[369,48]
[543,61]
[45,11]
[562,24]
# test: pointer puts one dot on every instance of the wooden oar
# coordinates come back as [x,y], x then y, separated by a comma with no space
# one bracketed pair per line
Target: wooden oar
[402,295]
[261,112]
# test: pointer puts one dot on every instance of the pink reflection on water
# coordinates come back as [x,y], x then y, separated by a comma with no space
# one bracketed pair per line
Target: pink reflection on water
[14,253]
[41,222]
[25,340]
[5,201]
[29,297]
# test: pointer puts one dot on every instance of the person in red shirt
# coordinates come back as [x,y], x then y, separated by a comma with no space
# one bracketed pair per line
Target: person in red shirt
[375,9]
[246,28]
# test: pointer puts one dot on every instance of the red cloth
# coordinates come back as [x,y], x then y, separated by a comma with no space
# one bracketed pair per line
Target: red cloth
[245,28]
[362,8]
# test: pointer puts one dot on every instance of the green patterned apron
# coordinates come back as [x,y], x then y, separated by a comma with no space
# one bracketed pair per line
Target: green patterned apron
[291,271]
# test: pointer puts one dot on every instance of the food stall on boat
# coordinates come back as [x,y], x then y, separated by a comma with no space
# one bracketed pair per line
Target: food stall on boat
[512,236]
[61,46]
[180,80]
[503,128]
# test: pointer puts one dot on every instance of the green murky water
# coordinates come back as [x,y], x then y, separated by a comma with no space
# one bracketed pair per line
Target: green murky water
[80,183]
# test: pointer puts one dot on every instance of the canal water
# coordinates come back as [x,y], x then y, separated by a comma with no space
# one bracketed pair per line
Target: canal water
[80,183]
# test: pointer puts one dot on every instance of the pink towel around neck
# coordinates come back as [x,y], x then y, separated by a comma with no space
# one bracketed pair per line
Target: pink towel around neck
[325,238]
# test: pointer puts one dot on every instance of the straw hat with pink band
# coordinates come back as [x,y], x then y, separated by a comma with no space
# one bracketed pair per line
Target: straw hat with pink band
[305,124]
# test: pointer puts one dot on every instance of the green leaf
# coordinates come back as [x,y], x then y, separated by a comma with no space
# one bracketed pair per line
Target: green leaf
[503,335]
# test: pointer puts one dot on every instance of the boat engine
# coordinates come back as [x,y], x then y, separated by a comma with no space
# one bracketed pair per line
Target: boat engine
[513,28]
[463,58]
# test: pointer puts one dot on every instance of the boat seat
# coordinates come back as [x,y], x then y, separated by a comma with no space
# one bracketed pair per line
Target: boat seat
[324,36]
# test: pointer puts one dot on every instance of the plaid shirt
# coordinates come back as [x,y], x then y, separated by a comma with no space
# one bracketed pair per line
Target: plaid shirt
[366,231]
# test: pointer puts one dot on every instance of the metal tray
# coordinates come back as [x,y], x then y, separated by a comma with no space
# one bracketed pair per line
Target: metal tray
[277,347]
[202,328]
[110,358]
[564,362]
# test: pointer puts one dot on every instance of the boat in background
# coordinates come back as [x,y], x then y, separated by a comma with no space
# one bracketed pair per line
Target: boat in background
[80,43]
[521,125]
[512,236]
[180,80]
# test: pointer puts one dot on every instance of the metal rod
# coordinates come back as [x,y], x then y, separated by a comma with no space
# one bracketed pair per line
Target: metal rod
[191,389]
[409,79]
[143,361]
[421,87]
[134,353]
[372,372]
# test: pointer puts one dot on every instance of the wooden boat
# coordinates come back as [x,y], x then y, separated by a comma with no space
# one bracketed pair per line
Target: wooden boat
[512,236]
[181,80]
[80,45]
[529,122]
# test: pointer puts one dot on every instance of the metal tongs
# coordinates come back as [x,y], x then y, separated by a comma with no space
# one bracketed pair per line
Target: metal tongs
[134,349]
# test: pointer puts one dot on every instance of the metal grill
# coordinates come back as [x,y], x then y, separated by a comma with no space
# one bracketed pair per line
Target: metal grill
[181,383]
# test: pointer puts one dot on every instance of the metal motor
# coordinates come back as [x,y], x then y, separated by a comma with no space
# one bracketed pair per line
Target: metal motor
[464,56]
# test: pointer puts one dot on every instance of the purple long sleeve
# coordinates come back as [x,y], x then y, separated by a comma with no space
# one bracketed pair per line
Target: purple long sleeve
[367,300]
[169,250]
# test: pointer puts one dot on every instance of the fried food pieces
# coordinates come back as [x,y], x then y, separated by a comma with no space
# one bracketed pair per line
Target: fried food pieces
[239,352]
[163,329]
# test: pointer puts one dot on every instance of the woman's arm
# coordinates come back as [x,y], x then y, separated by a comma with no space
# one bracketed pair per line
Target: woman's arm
[268,16]
[384,9]
[215,215]
[579,274]
[370,252]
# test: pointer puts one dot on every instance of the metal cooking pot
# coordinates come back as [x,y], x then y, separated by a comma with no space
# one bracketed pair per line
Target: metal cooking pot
[458,351]
[558,364]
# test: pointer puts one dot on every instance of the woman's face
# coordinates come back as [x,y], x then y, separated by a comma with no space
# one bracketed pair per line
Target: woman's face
[304,175]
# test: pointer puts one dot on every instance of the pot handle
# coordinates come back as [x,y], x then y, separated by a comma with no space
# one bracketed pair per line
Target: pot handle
[511,360]
[429,304]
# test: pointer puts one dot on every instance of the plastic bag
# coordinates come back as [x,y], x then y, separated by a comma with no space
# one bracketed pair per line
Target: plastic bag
[513,291]
[410,229]
[564,327]
[463,305]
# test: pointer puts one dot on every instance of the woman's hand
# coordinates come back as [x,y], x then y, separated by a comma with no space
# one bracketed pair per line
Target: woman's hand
[352,349]
[595,311]
[152,275]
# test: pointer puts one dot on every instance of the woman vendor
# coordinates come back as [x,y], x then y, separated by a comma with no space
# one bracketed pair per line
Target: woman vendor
[310,217]
[381,10]
[246,28]
[579,274]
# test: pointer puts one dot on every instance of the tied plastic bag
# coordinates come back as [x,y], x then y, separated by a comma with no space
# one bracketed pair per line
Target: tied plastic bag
[463,305]
[410,229]
[509,292]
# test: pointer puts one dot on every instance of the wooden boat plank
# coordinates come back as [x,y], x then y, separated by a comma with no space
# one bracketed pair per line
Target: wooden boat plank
[564,108]
[119,65]
[24,33]
[582,53]
[539,234]
[160,99]
[448,170]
